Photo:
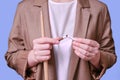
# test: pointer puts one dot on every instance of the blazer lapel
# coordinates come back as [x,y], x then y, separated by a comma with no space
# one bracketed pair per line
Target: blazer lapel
[82,21]
[43,4]
[46,19]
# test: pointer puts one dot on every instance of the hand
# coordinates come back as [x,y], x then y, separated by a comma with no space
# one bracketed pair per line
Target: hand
[41,50]
[87,50]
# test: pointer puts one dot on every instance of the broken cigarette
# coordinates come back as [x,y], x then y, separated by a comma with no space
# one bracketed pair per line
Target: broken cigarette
[67,36]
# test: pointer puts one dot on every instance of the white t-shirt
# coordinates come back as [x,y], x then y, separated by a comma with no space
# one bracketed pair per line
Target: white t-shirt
[62,20]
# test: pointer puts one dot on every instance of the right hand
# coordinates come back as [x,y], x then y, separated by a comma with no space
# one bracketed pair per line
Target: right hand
[41,50]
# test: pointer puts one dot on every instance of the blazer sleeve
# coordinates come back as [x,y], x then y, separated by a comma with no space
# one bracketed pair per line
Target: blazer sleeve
[17,54]
[107,49]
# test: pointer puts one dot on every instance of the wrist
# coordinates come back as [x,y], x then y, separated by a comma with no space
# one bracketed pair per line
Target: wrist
[96,60]
[31,61]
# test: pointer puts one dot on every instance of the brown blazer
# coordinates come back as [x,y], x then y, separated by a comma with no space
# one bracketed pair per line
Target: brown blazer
[92,22]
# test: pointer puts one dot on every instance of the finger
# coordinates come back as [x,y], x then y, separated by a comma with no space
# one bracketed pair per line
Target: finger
[46,40]
[87,41]
[84,52]
[42,53]
[42,58]
[84,46]
[42,47]
[59,38]
[81,55]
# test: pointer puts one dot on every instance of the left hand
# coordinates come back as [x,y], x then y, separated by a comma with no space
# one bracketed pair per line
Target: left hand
[87,50]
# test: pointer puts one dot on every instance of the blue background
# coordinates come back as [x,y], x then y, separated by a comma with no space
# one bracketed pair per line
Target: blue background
[7,12]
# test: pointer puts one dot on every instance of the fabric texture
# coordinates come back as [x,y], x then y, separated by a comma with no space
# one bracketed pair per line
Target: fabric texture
[92,22]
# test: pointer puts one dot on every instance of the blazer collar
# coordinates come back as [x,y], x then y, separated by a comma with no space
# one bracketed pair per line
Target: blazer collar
[83,3]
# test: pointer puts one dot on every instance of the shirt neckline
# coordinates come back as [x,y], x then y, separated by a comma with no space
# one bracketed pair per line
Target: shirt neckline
[60,3]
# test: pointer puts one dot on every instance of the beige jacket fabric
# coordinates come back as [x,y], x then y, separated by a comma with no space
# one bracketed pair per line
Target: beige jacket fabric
[92,22]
